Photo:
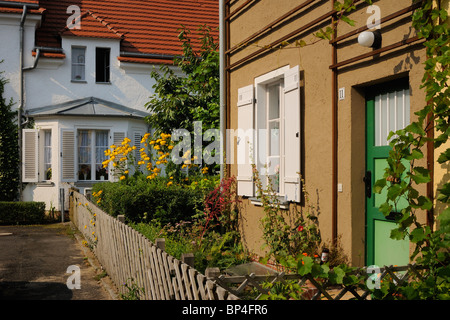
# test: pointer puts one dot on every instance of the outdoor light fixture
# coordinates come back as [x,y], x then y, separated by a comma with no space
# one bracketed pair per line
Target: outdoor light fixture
[370,39]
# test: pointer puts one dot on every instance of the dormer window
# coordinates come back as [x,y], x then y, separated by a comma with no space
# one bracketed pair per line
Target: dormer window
[102,63]
[78,64]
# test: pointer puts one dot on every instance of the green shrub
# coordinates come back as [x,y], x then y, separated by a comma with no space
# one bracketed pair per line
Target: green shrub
[22,212]
[143,201]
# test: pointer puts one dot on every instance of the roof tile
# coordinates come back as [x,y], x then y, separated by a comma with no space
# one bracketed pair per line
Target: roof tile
[143,26]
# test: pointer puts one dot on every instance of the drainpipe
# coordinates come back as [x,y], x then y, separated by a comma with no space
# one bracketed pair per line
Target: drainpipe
[222,84]
[334,126]
[20,109]
[22,93]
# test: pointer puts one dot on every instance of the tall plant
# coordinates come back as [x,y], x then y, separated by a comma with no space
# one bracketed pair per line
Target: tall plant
[9,152]
[432,246]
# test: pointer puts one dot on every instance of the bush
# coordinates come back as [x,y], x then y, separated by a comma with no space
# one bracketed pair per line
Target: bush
[143,201]
[22,212]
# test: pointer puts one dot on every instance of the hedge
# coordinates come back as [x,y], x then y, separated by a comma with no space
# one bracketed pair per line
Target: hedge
[22,212]
[143,202]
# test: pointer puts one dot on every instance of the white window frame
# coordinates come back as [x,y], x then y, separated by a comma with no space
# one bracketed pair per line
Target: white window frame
[253,113]
[262,84]
[93,147]
[42,137]
[78,64]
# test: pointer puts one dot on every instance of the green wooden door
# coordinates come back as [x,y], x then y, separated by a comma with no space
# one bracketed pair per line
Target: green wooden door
[387,109]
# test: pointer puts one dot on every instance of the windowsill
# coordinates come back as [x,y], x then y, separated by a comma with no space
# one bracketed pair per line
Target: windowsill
[284,205]
[78,81]
[88,183]
[45,184]
[103,82]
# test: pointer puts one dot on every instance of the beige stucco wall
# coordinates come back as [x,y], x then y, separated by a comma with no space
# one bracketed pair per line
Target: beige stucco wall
[316,103]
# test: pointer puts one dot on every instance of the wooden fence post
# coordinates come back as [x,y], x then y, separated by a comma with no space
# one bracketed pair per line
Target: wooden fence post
[212,273]
[160,243]
[188,258]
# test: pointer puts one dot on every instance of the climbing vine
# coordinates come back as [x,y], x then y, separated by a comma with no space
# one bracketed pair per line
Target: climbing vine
[430,127]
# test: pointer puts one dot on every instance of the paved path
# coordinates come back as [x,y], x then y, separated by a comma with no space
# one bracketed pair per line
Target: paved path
[34,261]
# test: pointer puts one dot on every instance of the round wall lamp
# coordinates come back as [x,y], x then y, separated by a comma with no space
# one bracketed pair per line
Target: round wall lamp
[370,39]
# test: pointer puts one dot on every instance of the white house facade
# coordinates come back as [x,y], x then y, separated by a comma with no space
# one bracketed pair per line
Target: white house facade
[83,87]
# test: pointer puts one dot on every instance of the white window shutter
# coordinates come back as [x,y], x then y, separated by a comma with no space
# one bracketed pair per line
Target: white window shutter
[30,156]
[117,138]
[291,179]
[137,137]
[245,141]
[68,156]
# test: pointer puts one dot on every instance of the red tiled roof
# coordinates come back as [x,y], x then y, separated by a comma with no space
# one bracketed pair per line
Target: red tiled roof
[92,26]
[144,26]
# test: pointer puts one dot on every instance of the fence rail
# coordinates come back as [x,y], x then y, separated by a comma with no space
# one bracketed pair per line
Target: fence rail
[315,289]
[128,256]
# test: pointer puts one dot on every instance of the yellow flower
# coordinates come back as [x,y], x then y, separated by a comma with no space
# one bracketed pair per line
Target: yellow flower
[126,171]
[170,147]
[163,142]
[158,162]
[169,183]
[85,226]
[122,178]
[112,146]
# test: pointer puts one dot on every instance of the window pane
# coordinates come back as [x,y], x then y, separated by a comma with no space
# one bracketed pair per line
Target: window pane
[101,144]
[84,155]
[274,137]
[78,63]
[48,155]
[274,173]
[102,64]
[274,102]
[391,114]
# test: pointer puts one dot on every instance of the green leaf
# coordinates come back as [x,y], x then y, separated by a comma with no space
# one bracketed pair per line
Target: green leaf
[385,208]
[422,203]
[305,265]
[337,275]
[398,234]
[417,235]
[421,175]
[416,128]
[444,156]
[379,185]
[348,20]
[394,191]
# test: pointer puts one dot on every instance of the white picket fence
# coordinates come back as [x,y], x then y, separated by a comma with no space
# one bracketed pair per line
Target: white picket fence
[127,255]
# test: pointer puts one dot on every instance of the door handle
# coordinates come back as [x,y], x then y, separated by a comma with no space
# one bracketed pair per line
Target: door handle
[368,181]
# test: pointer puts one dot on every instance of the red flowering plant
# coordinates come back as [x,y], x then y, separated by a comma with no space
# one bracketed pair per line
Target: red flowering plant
[220,207]
[287,232]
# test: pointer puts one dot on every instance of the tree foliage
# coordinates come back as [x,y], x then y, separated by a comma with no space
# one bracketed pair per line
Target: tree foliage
[9,152]
[181,99]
